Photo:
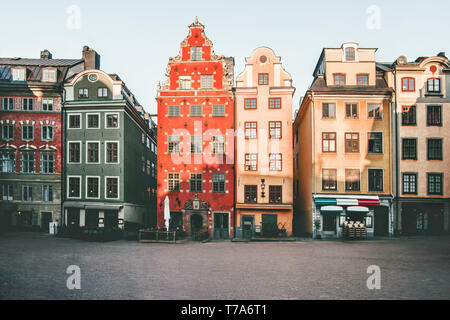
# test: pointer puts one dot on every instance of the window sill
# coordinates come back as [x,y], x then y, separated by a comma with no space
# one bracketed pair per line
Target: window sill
[438,95]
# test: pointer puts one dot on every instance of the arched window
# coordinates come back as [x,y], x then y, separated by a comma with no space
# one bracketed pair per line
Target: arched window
[350,54]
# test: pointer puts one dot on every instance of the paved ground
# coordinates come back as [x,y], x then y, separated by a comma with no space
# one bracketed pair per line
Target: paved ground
[33,266]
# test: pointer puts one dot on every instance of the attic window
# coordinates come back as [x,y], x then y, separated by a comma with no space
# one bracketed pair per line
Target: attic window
[196,53]
[18,74]
[350,54]
[49,75]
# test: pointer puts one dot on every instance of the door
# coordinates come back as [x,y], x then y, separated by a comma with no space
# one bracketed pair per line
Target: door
[247,227]
[435,219]
[196,223]
[270,225]
[111,219]
[176,221]
[221,226]
[329,223]
[73,218]
[381,222]
[91,218]
[46,218]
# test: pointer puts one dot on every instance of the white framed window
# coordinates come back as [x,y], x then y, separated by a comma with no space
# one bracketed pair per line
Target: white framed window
[8,103]
[93,152]
[18,74]
[111,151]
[7,161]
[174,111]
[111,120]
[173,182]
[47,104]
[27,132]
[7,131]
[47,193]
[83,93]
[92,121]
[27,104]
[218,145]
[49,75]
[27,192]
[185,82]
[47,162]
[47,133]
[112,187]
[196,53]
[74,148]
[93,187]
[74,121]
[74,187]
[207,81]
[102,92]
[196,144]
[7,192]
[27,161]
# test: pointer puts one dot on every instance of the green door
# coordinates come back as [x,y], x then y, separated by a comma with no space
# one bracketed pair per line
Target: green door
[247,226]
[269,225]
[381,222]
[46,218]
[220,225]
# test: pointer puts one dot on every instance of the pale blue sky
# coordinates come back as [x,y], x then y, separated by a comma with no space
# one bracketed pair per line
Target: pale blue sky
[136,38]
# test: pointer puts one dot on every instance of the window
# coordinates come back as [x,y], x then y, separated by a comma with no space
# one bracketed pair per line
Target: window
[173,144]
[328,141]
[93,186]
[274,103]
[47,133]
[250,193]
[250,103]
[83,93]
[218,144]
[434,149]
[275,194]
[18,74]
[185,82]
[218,110]
[434,116]
[47,193]
[74,121]
[196,182]
[27,193]
[196,53]
[408,84]
[251,161]
[350,54]
[351,111]
[7,132]
[275,129]
[112,187]
[8,103]
[329,179]
[27,162]
[352,180]
[206,81]
[153,170]
[27,132]
[49,75]
[409,149]
[422,221]
[7,161]
[339,79]
[218,182]
[434,85]
[27,104]
[435,183]
[375,142]
[92,152]
[112,120]
[47,162]
[93,121]
[275,162]
[375,111]
[196,111]
[196,144]
[362,79]
[74,187]
[47,104]
[328,110]
[174,111]
[251,130]
[173,180]
[408,115]
[102,92]
[263,78]
[375,179]
[74,152]
[409,183]
[7,192]
[352,142]
[112,152]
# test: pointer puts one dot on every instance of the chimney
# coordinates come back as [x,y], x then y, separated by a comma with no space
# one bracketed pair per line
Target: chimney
[45,54]
[441,54]
[91,58]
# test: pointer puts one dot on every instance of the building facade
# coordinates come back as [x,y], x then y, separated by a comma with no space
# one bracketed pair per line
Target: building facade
[196,139]
[422,100]
[31,93]
[264,171]
[342,146]
[110,158]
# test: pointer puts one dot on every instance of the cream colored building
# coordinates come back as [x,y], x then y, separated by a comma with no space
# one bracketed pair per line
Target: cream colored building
[264,165]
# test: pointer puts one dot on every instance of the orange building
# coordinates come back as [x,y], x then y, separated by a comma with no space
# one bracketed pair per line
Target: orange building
[342,146]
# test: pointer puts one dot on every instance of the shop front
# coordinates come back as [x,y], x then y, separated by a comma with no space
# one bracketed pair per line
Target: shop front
[426,217]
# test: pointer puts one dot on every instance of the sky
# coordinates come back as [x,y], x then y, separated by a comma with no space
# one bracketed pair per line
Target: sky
[135,38]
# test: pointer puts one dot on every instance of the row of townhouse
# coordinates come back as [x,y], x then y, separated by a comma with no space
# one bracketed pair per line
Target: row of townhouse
[76,146]
[371,144]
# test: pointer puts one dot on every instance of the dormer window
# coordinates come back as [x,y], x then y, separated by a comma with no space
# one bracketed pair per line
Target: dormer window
[350,54]
[196,53]
[83,93]
[362,79]
[18,74]
[434,85]
[102,92]
[339,79]
[185,82]
[49,75]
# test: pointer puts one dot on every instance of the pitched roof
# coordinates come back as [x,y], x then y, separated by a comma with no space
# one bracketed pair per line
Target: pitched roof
[380,87]
[39,62]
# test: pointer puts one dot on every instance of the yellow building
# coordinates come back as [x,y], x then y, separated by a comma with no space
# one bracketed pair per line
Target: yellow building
[264,147]
[342,146]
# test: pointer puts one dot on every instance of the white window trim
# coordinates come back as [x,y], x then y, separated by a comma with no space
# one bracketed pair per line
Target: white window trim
[24,73]
[118,151]
[118,187]
[68,152]
[79,191]
[3,136]
[49,70]
[87,123]
[384,176]
[42,132]
[53,104]
[98,191]
[87,152]
[350,45]
[42,192]
[68,121]
[28,98]
[21,132]
[106,120]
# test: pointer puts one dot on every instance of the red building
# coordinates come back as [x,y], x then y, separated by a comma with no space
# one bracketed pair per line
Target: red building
[195,159]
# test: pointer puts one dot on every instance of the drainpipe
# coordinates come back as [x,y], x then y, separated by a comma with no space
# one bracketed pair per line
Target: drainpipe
[396,152]
[313,207]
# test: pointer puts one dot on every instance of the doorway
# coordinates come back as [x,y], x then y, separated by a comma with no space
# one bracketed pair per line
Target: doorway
[46,218]
[221,226]
[270,225]
[196,223]
[111,219]
[329,223]
[176,221]
[381,222]
[73,218]
[91,218]
[247,226]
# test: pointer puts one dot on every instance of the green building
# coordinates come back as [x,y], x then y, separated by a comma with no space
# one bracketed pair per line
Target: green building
[110,154]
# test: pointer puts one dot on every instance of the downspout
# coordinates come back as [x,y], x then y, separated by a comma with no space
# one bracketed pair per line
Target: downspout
[313,175]
[233,91]
[396,152]
[63,156]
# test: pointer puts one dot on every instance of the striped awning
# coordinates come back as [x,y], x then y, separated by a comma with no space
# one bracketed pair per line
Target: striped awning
[357,209]
[350,200]
[331,209]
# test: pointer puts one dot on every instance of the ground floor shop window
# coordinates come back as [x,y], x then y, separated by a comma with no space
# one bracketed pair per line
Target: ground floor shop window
[422,221]
[329,222]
